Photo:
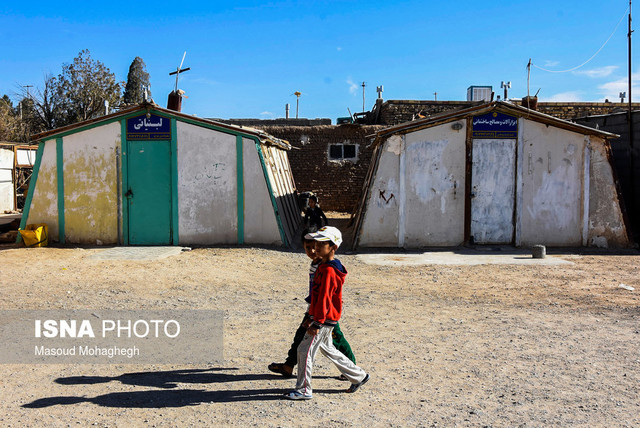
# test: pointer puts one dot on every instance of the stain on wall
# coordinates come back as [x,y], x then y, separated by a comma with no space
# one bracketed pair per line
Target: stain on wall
[90,186]
[553,183]
[44,204]
[434,177]
[493,190]
[380,223]
[606,224]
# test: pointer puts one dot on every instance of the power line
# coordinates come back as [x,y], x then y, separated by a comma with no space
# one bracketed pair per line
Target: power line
[593,56]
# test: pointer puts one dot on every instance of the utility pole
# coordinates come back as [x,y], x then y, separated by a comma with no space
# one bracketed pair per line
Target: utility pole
[629,71]
[435,96]
[632,151]
[363,85]
[28,97]
[28,86]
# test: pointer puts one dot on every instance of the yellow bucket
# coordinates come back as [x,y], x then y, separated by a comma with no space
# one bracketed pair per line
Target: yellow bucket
[35,235]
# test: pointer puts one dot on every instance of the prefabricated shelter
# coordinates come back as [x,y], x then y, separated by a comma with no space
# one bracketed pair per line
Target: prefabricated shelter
[152,176]
[626,159]
[492,174]
[7,191]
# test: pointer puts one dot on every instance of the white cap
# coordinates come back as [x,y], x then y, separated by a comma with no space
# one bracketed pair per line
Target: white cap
[327,233]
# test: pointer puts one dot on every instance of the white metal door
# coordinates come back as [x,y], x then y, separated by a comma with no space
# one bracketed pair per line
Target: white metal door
[492,191]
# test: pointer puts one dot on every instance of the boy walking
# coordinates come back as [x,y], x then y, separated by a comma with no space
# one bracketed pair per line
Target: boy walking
[339,341]
[325,310]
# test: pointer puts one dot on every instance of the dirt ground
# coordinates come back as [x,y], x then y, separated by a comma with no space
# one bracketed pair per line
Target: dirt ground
[487,345]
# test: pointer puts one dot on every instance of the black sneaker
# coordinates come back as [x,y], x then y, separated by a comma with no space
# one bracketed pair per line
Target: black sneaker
[355,386]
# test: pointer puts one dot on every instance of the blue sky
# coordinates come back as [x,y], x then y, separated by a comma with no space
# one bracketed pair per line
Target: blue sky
[247,58]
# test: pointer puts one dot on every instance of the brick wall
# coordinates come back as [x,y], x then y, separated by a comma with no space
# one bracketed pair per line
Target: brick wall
[393,112]
[258,123]
[337,183]
[571,111]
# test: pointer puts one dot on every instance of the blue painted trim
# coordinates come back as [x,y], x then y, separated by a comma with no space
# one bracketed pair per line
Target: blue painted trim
[60,179]
[240,188]
[32,187]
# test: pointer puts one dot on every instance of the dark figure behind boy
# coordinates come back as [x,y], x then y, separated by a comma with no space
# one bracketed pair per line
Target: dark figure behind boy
[339,341]
[314,215]
[325,311]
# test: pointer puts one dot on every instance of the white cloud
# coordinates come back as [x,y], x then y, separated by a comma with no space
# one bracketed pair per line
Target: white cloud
[267,113]
[353,87]
[339,48]
[611,90]
[570,96]
[598,72]
[551,63]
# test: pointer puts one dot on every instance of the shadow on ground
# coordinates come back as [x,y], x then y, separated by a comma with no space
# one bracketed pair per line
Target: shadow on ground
[170,395]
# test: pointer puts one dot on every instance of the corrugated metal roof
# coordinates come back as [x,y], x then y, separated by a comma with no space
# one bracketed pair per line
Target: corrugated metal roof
[501,106]
[263,136]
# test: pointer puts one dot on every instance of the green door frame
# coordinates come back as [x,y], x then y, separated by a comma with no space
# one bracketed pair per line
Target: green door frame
[124,147]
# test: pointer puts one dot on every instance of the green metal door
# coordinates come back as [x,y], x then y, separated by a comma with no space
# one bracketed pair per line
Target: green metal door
[148,196]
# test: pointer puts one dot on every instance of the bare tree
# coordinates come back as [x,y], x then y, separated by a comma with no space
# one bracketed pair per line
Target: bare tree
[9,120]
[82,89]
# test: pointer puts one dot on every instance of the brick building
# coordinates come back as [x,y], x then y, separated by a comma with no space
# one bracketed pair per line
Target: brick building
[393,112]
[340,154]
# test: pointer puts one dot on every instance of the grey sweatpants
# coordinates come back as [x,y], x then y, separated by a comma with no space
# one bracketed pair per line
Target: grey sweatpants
[307,352]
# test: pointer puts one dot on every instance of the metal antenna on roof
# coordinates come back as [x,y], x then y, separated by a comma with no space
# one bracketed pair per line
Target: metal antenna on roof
[506,86]
[297,94]
[363,86]
[179,70]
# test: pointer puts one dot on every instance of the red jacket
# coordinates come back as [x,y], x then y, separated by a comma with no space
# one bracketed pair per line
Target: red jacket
[326,294]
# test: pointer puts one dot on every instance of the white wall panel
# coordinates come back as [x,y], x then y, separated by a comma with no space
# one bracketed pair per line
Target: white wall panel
[380,224]
[207,189]
[552,185]
[260,226]
[434,182]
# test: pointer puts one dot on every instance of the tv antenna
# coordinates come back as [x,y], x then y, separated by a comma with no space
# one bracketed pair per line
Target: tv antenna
[179,70]
[506,86]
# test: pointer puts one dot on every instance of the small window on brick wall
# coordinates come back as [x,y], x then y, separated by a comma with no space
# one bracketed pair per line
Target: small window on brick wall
[338,152]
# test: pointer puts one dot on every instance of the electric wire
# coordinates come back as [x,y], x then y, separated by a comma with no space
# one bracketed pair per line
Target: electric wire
[593,56]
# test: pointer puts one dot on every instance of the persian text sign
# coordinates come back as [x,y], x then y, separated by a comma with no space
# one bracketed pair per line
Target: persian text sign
[495,125]
[148,128]
[110,337]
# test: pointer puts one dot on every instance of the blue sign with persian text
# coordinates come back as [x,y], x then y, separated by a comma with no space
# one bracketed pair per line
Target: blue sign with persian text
[152,127]
[495,125]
